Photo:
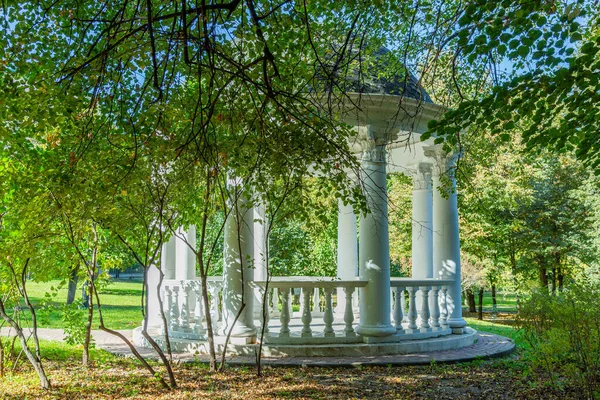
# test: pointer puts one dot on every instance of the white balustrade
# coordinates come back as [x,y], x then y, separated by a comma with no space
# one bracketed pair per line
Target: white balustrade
[431,313]
[184,308]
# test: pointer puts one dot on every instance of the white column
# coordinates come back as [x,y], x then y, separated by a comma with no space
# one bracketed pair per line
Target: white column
[238,236]
[185,260]
[347,251]
[422,234]
[374,252]
[446,240]
[167,258]
[153,308]
[422,216]
[260,252]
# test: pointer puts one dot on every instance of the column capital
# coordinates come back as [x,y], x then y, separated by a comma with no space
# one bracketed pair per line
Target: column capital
[421,176]
[375,154]
[373,147]
[443,162]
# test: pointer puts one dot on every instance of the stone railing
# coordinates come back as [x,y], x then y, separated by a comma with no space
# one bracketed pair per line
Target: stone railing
[316,306]
[418,308]
[184,311]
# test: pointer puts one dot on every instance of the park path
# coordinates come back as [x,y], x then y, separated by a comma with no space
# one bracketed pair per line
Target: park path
[487,345]
[101,338]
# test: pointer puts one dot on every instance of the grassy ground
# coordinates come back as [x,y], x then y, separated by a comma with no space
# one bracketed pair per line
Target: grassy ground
[120,303]
[504,301]
[110,377]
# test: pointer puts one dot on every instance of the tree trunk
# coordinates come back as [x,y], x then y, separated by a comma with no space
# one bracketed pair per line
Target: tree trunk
[480,312]
[561,279]
[494,302]
[36,362]
[543,277]
[72,288]
[553,289]
[471,300]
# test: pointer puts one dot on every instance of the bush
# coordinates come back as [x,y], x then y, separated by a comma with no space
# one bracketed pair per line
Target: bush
[564,334]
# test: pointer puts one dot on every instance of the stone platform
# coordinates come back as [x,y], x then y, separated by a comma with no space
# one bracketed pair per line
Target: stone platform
[484,345]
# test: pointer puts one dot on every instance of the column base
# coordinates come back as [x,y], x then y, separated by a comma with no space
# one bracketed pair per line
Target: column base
[241,331]
[457,325]
[375,330]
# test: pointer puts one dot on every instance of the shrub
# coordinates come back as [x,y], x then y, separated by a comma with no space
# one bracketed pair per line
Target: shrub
[564,333]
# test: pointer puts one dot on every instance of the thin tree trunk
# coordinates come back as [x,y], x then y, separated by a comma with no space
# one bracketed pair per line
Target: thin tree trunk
[152,342]
[553,290]
[1,356]
[543,277]
[128,343]
[72,288]
[35,361]
[561,279]
[471,300]
[92,284]
[480,312]
[494,302]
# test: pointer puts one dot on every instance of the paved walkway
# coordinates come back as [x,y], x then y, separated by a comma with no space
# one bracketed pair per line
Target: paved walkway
[488,345]
[101,338]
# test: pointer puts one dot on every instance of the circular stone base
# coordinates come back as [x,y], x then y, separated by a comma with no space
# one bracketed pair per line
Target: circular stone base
[453,348]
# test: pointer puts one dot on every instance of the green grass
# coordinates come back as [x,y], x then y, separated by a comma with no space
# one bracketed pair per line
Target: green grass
[505,301]
[120,303]
[499,329]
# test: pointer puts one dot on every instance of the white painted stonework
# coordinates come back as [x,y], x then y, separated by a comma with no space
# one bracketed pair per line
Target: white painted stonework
[395,315]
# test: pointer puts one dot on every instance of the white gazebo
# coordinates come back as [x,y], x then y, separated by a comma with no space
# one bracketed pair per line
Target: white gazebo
[362,311]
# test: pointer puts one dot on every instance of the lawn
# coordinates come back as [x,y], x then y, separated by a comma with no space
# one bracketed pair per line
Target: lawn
[111,377]
[505,301]
[120,303]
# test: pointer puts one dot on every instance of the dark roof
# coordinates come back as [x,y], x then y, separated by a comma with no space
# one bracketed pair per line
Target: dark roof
[389,76]
[384,75]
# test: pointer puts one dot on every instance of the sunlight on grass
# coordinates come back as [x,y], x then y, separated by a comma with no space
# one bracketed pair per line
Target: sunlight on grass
[121,303]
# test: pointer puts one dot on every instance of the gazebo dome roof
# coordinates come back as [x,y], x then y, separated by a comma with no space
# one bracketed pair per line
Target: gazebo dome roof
[388,75]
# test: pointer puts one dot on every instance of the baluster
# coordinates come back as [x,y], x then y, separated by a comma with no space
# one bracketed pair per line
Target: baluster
[349,312]
[174,323]
[169,300]
[435,307]
[443,308]
[425,308]
[198,314]
[306,314]
[284,317]
[275,303]
[184,314]
[214,304]
[403,304]
[317,301]
[398,310]
[412,308]
[265,310]
[328,316]
[300,301]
